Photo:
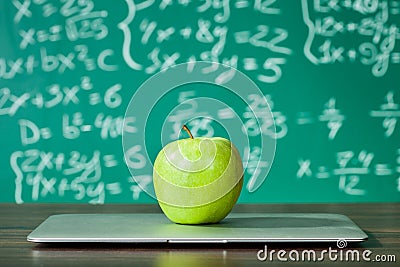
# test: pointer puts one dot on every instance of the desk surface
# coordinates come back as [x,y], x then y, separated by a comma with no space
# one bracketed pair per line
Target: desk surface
[380,221]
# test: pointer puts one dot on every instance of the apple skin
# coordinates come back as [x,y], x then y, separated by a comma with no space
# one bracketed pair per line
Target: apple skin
[213,212]
[198,208]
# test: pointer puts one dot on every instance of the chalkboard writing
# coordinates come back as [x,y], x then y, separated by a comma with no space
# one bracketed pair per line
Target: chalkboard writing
[329,70]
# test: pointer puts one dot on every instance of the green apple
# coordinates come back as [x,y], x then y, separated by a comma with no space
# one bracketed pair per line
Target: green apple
[198,180]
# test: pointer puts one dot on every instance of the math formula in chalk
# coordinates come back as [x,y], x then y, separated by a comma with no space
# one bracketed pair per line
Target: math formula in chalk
[373,29]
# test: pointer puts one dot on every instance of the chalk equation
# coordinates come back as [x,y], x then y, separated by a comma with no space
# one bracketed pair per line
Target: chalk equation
[389,112]
[351,169]
[373,28]
[207,30]
[32,182]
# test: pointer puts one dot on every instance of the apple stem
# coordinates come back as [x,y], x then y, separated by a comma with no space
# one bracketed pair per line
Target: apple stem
[184,127]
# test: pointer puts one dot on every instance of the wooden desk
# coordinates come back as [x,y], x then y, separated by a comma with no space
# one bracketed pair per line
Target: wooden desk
[380,221]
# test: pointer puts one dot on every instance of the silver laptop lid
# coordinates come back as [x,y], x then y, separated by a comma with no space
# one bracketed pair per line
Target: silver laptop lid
[237,227]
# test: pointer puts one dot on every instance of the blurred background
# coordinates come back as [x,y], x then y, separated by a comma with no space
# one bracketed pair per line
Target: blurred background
[328,72]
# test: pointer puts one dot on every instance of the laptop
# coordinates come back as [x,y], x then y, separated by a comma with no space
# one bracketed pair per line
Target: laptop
[235,228]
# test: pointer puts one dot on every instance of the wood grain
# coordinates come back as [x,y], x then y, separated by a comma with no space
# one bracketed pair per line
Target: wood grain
[380,221]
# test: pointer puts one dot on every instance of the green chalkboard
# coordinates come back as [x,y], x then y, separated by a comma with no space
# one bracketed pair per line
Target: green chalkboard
[328,70]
